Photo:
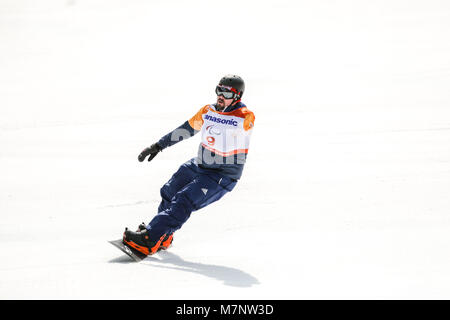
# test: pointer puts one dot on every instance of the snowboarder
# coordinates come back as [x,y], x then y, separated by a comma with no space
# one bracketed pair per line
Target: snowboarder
[226,128]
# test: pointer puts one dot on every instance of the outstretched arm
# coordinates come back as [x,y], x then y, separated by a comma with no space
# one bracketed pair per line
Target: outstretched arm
[185,131]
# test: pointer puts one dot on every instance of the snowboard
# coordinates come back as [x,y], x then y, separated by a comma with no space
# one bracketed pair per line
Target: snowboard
[132,253]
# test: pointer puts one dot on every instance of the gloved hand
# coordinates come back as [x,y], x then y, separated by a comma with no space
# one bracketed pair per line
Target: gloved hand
[153,150]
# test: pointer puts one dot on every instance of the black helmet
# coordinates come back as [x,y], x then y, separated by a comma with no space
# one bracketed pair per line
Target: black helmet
[236,82]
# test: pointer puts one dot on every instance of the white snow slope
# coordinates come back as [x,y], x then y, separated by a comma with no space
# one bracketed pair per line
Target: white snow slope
[345,194]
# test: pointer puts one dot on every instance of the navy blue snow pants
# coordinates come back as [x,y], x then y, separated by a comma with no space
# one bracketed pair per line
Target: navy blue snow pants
[190,188]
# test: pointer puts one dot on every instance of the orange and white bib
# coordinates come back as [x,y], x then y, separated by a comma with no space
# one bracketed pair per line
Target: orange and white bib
[224,133]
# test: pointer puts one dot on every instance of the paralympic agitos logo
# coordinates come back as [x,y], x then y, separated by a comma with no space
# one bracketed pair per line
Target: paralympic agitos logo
[211,130]
[223,121]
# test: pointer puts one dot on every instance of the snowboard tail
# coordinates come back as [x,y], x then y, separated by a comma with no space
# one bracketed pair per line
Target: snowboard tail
[131,252]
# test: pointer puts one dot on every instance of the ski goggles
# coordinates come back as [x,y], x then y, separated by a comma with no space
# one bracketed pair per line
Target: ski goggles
[226,92]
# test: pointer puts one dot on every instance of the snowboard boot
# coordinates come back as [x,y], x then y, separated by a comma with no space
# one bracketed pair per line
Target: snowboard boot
[166,242]
[140,241]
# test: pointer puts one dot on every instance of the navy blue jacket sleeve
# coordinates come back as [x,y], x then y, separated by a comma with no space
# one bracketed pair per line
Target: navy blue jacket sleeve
[184,131]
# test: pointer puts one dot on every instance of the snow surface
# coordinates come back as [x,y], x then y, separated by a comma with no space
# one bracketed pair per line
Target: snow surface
[345,194]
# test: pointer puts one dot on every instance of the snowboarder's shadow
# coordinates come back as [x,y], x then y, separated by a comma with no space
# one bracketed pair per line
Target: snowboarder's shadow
[230,276]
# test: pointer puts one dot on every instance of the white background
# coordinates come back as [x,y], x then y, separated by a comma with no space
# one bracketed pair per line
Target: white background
[345,194]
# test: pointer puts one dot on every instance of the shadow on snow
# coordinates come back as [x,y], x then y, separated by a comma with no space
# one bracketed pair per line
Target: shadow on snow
[229,276]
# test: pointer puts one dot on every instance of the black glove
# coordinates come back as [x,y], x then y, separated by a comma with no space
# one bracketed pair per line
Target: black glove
[152,151]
